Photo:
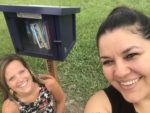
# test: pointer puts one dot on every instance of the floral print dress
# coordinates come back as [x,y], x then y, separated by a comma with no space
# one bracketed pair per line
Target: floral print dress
[43,104]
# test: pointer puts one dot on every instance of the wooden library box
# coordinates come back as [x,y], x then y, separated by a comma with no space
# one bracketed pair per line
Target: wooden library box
[41,31]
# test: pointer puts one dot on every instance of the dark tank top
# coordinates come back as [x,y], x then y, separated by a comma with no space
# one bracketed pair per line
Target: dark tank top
[118,103]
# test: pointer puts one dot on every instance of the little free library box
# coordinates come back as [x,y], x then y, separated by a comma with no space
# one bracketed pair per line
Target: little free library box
[41,31]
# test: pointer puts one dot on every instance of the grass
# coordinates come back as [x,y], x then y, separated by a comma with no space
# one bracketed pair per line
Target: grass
[80,74]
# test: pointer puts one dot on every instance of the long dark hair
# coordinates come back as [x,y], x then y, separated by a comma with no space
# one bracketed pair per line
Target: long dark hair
[125,17]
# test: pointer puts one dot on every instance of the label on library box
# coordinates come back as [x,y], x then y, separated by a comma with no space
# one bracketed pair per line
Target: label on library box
[29,15]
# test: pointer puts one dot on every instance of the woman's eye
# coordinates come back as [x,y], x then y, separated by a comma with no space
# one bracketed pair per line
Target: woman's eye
[12,78]
[131,55]
[22,71]
[107,62]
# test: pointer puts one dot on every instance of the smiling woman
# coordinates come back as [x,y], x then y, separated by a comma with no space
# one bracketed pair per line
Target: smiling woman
[26,93]
[124,48]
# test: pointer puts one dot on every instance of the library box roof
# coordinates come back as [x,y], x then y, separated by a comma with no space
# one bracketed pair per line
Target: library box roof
[40,9]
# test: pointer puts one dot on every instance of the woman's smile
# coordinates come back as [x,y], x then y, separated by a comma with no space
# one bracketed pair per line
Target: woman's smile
[129,84]
[23,84]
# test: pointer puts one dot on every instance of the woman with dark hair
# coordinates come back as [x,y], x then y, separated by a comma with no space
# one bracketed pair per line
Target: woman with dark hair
[25,92]
[123,41]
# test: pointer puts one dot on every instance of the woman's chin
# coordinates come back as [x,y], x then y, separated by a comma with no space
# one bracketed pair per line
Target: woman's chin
[132,98]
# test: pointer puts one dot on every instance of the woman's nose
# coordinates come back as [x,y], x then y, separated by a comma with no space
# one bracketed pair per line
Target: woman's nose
[19,78]
[121,69]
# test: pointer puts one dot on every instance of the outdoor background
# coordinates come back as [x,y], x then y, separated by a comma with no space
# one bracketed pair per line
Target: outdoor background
[80,74]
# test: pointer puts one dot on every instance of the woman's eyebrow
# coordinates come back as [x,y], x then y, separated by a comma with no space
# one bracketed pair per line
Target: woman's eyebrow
[104,57]
[129,49]
[123,52]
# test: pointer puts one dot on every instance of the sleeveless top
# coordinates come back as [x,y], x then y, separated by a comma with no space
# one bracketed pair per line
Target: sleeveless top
[118,103]
[43,104]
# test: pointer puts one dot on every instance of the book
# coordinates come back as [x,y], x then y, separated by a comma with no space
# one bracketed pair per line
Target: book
[38,30]
[29,32]
[46,34]
[35,35]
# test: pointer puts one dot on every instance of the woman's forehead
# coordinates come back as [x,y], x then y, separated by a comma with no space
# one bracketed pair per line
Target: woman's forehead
[120,40]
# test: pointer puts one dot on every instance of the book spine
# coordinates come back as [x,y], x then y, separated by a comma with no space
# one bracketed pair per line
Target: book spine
[32,26]
[40,37]
[46,34]
[29,32]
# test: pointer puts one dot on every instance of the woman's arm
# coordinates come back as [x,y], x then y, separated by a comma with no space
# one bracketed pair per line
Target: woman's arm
[98,103]
[53,86]
[10,107]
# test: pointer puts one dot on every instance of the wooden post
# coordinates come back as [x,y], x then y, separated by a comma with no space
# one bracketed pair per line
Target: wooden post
[52,68]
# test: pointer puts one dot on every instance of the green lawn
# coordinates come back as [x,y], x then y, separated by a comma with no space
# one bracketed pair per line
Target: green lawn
[80,74]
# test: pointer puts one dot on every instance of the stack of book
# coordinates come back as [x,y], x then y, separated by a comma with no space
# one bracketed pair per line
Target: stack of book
[39,32]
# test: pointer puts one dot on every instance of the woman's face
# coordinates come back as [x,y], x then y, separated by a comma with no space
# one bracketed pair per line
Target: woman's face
[125,60]
[18,78]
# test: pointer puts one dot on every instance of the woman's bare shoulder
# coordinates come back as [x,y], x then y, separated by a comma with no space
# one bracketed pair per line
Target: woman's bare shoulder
[10,107]
[98,103]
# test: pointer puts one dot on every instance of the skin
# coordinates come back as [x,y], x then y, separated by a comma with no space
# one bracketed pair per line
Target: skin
[20,81]
[124,56]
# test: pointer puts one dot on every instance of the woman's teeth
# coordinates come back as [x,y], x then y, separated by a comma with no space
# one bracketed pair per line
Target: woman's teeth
[23,84]
[130,82]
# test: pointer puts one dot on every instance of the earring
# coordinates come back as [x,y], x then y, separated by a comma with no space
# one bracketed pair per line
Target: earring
[11,91]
